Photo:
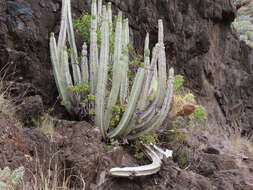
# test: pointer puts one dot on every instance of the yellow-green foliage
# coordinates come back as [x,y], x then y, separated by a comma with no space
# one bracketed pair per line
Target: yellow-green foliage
[83,87]
[136,61]
[151,138]
[182,98]
[178,82]
[117,111]
[83,26]
[112,143]
[63,103]
[189,98]
[200,113]
[177,137]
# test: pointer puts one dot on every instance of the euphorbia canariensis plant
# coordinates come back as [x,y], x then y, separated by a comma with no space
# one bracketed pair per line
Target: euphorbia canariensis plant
[147,100]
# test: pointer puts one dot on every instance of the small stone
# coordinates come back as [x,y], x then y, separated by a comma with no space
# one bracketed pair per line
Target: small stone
[211,150]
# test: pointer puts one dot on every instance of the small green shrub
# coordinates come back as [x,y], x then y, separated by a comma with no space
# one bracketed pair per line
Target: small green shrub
[112,143]
[178,82]
[151,138]
[138,155]
[183,100]
[190,98]
[200,113]
[136,61]
[117,112]
[83,25]
[63,103]
[83,87]
[176,138]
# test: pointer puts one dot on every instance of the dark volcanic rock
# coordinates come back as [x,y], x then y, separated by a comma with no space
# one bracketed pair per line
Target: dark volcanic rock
[19,147]
[233,179]
[30,110]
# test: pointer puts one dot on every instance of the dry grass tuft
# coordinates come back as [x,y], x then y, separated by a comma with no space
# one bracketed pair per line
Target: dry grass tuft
[241,144]
[6,106]
[52,177]
[46,125]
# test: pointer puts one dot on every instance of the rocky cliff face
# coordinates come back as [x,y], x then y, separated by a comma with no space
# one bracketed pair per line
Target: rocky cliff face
[200,44]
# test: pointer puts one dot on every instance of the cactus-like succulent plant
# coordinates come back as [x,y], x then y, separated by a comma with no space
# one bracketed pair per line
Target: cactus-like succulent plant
[148,101]
[244,20]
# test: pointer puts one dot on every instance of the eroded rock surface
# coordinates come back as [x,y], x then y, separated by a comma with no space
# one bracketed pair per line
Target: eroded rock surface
[20,147]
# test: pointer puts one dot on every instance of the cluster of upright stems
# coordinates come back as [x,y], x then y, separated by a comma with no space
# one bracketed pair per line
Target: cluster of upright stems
[147,103]
[244,21]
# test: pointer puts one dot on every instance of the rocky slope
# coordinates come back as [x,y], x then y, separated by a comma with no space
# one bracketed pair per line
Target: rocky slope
[200,44]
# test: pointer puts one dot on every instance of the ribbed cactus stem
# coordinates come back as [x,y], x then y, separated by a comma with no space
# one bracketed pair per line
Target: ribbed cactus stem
[56,66]
[160,31]
[93,47]
[144,100]
[153,87]
[150,114]
[127,31]
[131,106]
[162,74]
[109,9]
[103,73]
[63,26]
[65,68]
[146,51]
[72,43]
[163,113]
[117,70]
[125,61]
[84,64]
[67,80]
[99,11]
[60,64]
